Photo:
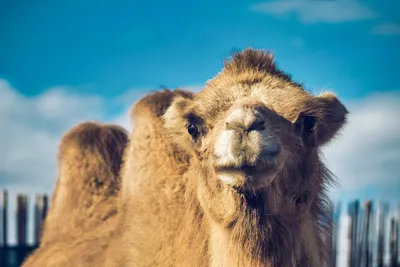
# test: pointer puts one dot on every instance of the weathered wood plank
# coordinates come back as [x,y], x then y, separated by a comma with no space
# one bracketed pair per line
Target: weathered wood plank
[4,213]
[22,219]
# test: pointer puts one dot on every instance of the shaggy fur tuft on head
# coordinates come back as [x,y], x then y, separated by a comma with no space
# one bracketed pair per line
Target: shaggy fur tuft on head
[253,60]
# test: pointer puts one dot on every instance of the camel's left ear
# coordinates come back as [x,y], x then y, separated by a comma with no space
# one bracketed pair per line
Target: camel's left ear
[322,118]
[176,124]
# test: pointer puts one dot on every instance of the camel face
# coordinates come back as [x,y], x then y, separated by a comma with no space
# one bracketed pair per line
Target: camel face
[247,152]
[244,142]
[251,123]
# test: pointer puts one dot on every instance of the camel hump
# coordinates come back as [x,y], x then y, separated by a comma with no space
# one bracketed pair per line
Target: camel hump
[155,104]
[86,194]
[97,137]
[93,148]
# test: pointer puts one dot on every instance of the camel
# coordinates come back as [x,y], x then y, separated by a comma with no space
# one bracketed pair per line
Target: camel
[86,195]
[234,177]
[88,245]
[230,176]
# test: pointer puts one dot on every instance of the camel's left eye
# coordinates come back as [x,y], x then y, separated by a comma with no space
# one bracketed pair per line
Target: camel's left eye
[193,130]
[309,123]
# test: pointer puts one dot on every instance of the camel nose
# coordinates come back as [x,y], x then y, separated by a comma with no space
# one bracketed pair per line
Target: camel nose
[245,119]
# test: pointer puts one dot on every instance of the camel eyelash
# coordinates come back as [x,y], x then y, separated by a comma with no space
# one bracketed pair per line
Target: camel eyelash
[192,118]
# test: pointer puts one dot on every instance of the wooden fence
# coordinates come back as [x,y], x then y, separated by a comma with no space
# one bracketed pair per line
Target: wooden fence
[13,255]
[372,235]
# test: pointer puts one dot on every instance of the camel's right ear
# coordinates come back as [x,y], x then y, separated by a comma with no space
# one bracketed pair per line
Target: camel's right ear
[323,117]
[175,122]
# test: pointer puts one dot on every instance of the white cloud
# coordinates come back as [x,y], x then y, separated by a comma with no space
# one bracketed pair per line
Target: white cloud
[31,128]
[366,155]
[386,29]
[316,11]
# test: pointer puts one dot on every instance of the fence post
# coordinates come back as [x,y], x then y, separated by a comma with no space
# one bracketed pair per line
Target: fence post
[398,234]
[329,237]
[41,203]
[393,242]
[335,234]
[354,234]
[350,211]
[373,236]
[4,213]
[4,220]
[383,209]
[22,222]
[365,238]
[22,203]
[45,206]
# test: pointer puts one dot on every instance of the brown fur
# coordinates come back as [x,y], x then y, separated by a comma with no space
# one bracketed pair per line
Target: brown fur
[87,190]
[178,213]
[149,152]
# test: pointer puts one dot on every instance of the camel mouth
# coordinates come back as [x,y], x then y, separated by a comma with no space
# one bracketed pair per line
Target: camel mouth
[245,168]
[246,177]
[249,172]
[248,164]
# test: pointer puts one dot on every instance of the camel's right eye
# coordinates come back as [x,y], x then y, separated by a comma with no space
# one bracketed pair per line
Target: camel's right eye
[193,130]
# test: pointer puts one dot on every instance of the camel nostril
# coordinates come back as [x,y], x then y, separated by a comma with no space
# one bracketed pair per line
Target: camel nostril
[245,119]
[257,125]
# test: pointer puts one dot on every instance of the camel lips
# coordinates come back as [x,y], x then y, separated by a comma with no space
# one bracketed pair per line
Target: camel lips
[246,169]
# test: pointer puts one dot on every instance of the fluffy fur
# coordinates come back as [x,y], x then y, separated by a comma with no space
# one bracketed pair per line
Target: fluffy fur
[177,212]
[86,194]
[175,208]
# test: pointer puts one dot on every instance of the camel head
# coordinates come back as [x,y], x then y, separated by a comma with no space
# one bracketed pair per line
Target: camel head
[252,124]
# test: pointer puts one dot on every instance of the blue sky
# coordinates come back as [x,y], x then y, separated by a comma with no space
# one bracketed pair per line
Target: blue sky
[109,46]
[62,63]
